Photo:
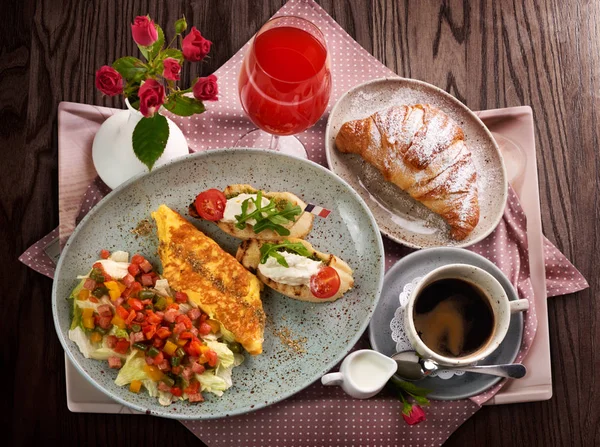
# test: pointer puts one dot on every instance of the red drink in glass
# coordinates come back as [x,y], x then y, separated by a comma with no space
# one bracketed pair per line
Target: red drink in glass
[285,81]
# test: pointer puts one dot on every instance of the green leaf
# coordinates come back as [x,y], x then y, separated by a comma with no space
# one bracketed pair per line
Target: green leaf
[406,408]
[131,68]
[410,388]
[421,400]
[268,217]
[150,138]
[290,211]
[183,105]
[172,52]
[267,250]
[152,50]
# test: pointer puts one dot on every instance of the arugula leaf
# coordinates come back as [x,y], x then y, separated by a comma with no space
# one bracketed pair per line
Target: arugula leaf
[268,216]
[273,250]
[290,211]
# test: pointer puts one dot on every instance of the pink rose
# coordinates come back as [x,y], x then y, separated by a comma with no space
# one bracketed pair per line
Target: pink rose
[416,415]
[206,89]
[152,96]
[171,69]
[194,46]
[143,31]
[109,81]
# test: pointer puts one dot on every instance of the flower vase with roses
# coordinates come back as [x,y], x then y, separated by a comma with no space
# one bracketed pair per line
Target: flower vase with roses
[151,84]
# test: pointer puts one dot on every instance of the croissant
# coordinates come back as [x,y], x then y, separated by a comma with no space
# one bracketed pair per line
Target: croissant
[421,150]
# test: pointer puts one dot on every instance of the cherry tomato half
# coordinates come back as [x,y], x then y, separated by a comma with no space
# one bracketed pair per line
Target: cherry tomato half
[325,283]
[210,204]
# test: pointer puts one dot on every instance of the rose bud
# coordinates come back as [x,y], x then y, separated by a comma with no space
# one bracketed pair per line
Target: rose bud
[416,415]
[109,81]
[171,69]
[194,46]
[152,96]
[180,25]
[143,31]
[206,89]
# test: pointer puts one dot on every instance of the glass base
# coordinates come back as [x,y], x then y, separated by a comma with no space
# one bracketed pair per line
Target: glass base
[260,139]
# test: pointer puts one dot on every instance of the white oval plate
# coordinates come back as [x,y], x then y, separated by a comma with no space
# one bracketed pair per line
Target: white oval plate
[398,216]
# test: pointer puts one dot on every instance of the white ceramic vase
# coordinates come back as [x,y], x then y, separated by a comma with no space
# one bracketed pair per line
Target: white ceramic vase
[112,150]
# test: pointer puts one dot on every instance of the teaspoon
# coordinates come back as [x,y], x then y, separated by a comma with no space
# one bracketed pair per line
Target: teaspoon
[411,367]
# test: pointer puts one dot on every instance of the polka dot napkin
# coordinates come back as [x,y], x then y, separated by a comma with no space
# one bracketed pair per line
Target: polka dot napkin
[325,415]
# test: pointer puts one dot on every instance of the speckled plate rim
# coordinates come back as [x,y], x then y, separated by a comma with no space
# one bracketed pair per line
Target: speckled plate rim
[491,381]
[187,159]
[460,105]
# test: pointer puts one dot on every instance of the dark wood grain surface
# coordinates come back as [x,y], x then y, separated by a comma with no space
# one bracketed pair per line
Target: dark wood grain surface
[489,54]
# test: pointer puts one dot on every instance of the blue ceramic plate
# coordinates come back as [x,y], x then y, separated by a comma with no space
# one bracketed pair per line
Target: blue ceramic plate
[419,264]
[330,329]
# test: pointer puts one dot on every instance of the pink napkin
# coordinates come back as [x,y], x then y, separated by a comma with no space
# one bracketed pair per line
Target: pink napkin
[321,415]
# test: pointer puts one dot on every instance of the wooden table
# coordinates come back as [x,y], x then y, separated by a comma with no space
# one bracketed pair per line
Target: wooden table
[487,53]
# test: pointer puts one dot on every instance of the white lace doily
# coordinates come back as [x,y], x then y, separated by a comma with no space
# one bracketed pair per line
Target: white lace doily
[399,334]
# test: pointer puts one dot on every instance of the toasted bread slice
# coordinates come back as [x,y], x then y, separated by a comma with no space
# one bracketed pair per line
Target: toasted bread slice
[248,254]
[298,229]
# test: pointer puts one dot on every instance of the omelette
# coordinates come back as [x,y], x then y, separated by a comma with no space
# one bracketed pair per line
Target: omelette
[195,264]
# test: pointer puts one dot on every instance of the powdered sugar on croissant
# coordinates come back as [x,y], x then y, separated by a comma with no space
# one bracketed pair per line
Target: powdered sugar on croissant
[422,150]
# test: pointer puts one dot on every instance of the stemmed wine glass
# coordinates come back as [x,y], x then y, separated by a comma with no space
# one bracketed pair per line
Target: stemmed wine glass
[284,84]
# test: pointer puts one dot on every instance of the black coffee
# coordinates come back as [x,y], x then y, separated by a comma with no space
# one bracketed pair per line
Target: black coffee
[453,317]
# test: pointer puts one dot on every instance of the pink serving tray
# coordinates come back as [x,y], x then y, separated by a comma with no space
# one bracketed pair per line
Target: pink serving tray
[512,128]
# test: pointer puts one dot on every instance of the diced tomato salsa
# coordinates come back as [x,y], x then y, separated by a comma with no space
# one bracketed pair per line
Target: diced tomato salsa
[168,336]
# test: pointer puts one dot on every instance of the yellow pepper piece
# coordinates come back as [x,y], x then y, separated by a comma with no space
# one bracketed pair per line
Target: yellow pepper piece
[215,326]
[182,342]
[122,287]
[135,386]
[170,347]
[83,294]
[96,337]
[87,312]
[118,321]
[88,322]
[153,372]
[204,349]
[113,289]
[202,359]
[169,300]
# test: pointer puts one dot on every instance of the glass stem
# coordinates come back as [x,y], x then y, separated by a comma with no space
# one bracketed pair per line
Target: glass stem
[274,142]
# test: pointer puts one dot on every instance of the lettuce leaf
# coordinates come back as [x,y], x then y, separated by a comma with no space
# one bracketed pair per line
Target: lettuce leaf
[212,383]
[119,256]
[82,341]
[87,348]
[165,398]
[224,354]
[133,369]
[151,387]
[104,353]
[76,318]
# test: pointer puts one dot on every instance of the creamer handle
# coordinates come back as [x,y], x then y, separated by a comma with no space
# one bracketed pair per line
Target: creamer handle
[332,379]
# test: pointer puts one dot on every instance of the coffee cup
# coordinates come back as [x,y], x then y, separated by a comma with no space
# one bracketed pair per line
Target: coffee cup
[458,314]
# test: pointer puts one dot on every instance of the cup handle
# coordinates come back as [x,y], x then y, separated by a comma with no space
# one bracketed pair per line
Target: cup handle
[332,379]
[519,306]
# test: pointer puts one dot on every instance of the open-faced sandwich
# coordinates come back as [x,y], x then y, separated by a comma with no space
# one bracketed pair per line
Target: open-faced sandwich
[295,269]
[248,213]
